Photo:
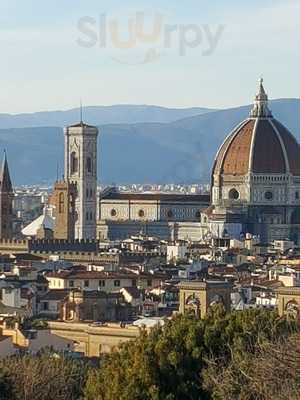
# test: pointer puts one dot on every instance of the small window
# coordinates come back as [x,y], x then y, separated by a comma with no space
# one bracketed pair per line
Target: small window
[198,214]
[268,195]
[89,164]
[113,212]
[141,213]
[86,283]
[234,194]
[102,283]
[149,282]
[116,283]
[74,163]
[71,283]
[170,214]
[87,216]
[297,195]
[61,205]
[45,306]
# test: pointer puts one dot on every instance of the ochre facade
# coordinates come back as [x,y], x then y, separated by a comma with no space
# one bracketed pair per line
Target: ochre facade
[288,301]
[196,296]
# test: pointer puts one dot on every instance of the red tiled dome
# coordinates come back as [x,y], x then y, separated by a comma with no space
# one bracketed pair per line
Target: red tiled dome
[260,144]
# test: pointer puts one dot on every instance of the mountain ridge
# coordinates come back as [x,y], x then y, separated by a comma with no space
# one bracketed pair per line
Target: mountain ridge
[122,113]
[180,151]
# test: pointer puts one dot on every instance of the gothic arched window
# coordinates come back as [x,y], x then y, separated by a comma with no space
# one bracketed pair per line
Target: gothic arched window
[89,164]
[61,203]
[74,163]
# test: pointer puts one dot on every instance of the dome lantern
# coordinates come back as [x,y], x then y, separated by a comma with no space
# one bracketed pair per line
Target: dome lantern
[261,108]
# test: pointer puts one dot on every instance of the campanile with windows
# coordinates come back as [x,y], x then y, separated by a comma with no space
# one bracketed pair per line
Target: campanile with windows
[81,170]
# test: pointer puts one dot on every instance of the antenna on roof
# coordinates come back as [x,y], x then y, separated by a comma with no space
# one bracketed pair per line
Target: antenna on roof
[81,120]
[57,171]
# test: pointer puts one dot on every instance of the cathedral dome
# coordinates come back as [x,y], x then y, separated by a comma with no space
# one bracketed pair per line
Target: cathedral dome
[259,145]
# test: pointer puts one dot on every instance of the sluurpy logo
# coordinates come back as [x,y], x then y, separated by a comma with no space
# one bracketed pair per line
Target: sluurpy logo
[143,39]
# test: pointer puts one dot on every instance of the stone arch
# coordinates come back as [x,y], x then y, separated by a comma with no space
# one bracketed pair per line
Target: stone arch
[292,308]
[193,305]
[217,299]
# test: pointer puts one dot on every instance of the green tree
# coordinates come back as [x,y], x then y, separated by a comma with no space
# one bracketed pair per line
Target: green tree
[169,362]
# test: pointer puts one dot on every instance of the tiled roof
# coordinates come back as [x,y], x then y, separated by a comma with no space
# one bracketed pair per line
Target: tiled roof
[55,294]
[258,146]
[102,275]
[114,195]
[81,125]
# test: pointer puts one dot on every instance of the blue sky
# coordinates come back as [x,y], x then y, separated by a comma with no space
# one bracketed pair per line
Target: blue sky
[45,66]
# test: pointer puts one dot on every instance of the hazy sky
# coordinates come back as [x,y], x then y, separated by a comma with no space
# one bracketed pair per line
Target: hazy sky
[202,53]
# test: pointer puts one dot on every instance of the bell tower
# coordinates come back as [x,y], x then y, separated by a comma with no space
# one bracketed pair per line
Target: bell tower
[63,199]
[81,170]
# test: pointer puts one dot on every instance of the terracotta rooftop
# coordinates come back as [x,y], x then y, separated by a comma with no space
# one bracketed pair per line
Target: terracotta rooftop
[260,144]
[114,195]
[102,275]
[55,294]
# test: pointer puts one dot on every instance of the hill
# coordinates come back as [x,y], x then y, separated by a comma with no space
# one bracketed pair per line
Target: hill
[178,151]
[100,115]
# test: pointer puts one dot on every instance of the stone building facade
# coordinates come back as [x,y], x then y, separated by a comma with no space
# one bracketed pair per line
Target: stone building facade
[288,301]
[167,216]
[82,305]
[63,199]
[197,296]
[81,170]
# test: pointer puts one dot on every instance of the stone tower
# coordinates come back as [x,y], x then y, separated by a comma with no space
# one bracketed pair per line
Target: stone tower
[81,169]
[63,198]
[6,201]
